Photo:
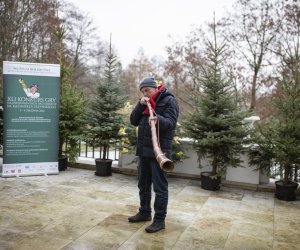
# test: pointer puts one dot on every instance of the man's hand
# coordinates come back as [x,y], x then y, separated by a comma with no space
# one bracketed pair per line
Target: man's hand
[144,100]
[21,81]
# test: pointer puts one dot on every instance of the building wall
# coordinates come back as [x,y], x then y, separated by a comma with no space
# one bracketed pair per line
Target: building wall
[190,166]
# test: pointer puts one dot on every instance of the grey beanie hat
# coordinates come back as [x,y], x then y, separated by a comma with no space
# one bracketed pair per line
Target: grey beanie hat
[148,82]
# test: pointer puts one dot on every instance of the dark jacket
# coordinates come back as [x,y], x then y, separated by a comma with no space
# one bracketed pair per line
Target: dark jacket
[167,112]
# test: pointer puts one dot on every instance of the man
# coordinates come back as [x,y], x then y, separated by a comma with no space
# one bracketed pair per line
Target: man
[32,91]
[165,106]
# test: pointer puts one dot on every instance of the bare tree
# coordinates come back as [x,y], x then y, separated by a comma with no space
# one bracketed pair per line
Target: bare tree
[134,72]
[174,68]
[158,65]
[84,45]
[26,29]
[30,30]
[288,46]
[250,30]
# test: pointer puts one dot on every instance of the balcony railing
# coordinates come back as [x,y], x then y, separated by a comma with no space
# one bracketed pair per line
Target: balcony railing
[90,151]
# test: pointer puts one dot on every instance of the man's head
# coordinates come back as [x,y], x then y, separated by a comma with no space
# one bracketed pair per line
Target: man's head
[33,88]
[148,86]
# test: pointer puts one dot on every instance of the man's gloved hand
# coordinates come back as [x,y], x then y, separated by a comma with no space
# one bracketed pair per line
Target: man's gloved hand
[144,100]
[21,81]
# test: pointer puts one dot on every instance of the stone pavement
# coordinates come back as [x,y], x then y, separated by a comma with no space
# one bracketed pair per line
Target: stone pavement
[78,210]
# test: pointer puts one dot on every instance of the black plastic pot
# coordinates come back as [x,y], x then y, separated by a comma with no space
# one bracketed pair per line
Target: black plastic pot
[103,167]
[285,192]
[62,162]
[210,182]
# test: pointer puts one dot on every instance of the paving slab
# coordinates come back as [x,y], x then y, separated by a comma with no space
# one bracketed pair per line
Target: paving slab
[80,211]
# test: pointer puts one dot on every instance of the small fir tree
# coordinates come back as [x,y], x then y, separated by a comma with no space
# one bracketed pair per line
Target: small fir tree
[277,142]
[103,119]
[72,109]
[216,125]
[72,103]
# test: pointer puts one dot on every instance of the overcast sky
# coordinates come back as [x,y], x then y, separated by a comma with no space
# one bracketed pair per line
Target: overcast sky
[148,24]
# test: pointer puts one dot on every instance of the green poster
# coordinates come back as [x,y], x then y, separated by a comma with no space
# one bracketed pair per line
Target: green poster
[31,118]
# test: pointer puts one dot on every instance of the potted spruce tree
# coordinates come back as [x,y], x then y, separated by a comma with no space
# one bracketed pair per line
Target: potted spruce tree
[277,142]
[72,108]
[216,124]
[103,117]
[275,152]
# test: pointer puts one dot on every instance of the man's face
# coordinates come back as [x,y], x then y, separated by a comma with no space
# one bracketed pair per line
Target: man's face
[148,91]
[33,90]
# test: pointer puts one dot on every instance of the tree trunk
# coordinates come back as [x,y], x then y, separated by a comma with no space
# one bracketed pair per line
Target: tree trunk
[104,152]
[253,92]
[214,167]
[60,147]
[286,174]
[296,173]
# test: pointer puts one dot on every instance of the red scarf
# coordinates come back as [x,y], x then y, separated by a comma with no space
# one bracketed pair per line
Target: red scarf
[153,98]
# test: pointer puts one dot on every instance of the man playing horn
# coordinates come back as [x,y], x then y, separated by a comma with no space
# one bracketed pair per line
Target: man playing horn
[165,107]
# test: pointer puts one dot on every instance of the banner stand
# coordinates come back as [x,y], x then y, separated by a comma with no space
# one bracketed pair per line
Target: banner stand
[31,119]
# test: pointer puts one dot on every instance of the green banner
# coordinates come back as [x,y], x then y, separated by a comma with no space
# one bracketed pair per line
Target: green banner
[31,118]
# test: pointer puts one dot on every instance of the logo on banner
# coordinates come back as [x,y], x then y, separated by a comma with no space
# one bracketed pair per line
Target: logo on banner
[32,91]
